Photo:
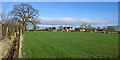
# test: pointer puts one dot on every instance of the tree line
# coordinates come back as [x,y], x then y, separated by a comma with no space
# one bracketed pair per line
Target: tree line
[114,28]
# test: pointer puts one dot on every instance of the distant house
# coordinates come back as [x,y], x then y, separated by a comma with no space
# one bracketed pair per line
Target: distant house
[83,30]
[55,30]
[63,30]
[101,31]
[95,30]
[67,29]
[77,29]
[92,30]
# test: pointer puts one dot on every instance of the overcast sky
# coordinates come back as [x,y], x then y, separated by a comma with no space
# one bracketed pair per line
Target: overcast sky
[73,13]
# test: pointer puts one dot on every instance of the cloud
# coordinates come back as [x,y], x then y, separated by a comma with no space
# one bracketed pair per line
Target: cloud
[59,0]
[72,21]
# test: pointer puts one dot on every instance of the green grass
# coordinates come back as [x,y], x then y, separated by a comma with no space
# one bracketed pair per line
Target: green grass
[70,45]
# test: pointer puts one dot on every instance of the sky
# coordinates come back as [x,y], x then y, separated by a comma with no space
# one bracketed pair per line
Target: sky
[73,13]
[59,0]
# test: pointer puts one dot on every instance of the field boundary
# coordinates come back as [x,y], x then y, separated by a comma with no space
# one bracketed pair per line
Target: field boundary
[20,48]
[13,51]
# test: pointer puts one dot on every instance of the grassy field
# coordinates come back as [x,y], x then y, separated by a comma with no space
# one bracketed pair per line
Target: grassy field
[70,45]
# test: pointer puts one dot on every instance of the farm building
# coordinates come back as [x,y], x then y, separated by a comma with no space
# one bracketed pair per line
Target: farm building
[93,30]
[67,29]
[83,30]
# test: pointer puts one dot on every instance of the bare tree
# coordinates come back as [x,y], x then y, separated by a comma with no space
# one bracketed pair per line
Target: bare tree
[117,28]
[98,28]
[0,29]
[90,28]
[25,13]
[7,24]
[104,28]
[60,28]
[110,29]
[83,25]
[5,15]
[50,28]
[53,28]
[0,17]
